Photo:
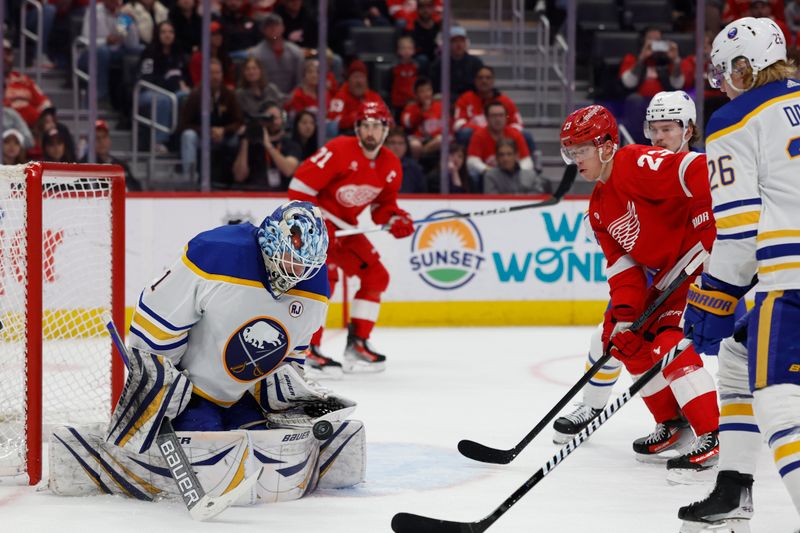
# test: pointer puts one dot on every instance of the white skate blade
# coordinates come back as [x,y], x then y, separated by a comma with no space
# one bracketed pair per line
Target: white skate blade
[727,526]
[334,372]
[209,506]
[562,438]
[362,367]
[685,476]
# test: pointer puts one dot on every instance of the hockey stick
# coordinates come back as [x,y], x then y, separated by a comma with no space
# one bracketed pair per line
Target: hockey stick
[563,188]
[201,506]
[411,523]
[485,454]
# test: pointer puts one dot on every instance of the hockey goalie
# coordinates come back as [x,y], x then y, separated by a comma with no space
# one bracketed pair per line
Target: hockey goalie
[217,346]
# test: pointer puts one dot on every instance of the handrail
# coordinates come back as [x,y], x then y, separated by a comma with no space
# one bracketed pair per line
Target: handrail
[78,44]
[151,122]
[25,34]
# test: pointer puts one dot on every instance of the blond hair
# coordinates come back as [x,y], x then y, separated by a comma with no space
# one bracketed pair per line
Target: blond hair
[777,71]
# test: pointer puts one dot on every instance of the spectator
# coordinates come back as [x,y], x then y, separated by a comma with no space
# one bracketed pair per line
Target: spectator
[406,12]
[792,16]
[13,148]
[188,26]
[422,120]
[281,59]
[657,68]
[404,74]
[304,96]
[736,9]
[763,9]
[469,113]
[424,33]
[54,148]
[267,156]
[163,65]
[226,119]
[21,93]
[300,25]
[509,177]
[458,175]
[219,51]
[482,146]
[146,14]
[102,150]
[116,34]
[304,133]
[349,98]
[414,180]
[48,121]
[463,65]
[14,121]
[240,31]
[254,89]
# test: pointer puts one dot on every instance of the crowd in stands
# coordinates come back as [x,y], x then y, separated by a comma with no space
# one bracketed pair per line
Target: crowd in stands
[264,72]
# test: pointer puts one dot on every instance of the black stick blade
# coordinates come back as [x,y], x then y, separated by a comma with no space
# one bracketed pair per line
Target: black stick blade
[412,523]
[478,452]
[567,180]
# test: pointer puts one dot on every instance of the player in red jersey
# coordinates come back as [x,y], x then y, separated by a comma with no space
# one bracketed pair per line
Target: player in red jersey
[651,210]
[343,178]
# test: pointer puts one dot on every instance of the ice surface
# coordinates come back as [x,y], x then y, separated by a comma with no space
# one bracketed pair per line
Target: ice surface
[487,384]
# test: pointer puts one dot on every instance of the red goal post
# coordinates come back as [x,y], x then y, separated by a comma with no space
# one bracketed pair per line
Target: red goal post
[62,270]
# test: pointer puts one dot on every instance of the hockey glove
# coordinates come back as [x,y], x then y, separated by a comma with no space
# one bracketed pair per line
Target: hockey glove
[709,315]
[618,339]
[401,225]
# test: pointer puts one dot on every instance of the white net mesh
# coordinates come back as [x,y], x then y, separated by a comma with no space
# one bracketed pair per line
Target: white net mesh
[77,288]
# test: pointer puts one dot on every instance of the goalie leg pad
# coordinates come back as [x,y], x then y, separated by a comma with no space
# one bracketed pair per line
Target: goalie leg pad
[82,463]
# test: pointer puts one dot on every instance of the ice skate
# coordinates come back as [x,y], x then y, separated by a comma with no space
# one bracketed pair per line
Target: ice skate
[360,357]
[319,366]
[727,509]
[671,435]
[566,427]
[698,464]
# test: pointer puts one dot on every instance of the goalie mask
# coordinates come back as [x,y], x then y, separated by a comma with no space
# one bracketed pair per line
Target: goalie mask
[294,243]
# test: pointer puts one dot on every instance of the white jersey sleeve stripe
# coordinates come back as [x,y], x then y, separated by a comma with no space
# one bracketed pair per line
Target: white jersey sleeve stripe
[685,162]
[299,186]
[622,264]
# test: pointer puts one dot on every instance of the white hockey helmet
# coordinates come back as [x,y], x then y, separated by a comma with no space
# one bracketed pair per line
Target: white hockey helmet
[670,105]
[758,40]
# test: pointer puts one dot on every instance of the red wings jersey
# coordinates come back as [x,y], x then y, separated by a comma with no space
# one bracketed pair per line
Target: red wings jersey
[420,122]
[25,97]
[654,207]
[341,180]
[403,77]
[469,111]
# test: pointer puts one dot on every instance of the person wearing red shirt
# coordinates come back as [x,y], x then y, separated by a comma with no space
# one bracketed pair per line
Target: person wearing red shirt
[404,73]
[764,9]
[345,177]
[422,120]
[736,9]
[650,210]
[657,68]
[404,12]
[21,93]
[304,96]
[481,151]
[353,93]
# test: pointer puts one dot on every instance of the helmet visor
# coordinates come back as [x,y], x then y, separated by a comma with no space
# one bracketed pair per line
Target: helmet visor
[716,74]
[578,153]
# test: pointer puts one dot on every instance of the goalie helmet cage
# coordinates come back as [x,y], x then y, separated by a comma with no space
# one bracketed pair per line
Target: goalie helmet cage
[62,253]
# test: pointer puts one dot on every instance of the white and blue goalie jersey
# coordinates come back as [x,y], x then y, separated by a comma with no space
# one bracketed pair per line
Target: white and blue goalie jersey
[212,315]
[753,155]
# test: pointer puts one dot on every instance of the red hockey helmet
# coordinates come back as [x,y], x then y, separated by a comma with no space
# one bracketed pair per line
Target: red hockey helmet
[589,124]
[373,111]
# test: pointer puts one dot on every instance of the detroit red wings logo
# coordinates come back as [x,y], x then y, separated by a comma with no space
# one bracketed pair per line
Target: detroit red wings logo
[357,195]
[625,229]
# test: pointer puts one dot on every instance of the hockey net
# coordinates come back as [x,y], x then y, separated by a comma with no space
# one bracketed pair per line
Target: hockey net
[61,276]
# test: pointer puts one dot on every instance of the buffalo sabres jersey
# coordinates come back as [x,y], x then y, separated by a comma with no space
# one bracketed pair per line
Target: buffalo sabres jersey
[212,315]
[753,154]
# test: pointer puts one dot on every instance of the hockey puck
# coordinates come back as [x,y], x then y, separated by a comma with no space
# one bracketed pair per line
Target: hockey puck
[322,430]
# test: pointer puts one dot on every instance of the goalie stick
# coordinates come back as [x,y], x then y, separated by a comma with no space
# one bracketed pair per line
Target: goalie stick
[479,452]
[563,188]
[201,506]
[411,523]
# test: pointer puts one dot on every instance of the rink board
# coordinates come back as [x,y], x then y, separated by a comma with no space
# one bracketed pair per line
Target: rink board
[533,266]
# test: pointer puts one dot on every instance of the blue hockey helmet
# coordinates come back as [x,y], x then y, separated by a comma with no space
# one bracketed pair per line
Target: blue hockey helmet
[294,243]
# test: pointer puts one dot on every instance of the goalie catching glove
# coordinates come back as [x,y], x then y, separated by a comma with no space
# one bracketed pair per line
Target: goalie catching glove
[709,315]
